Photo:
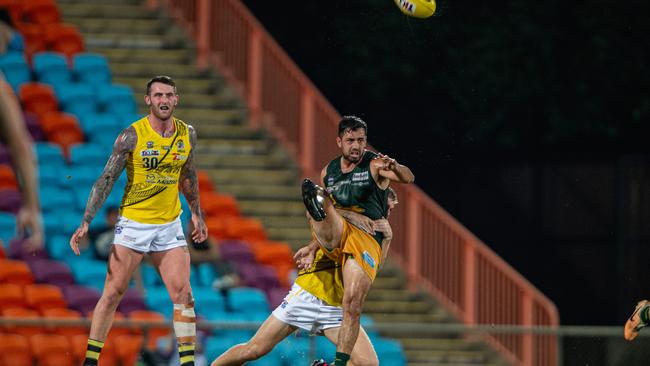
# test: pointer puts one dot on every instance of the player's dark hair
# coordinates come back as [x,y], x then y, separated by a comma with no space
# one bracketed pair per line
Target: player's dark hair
[351,123]
[161,79]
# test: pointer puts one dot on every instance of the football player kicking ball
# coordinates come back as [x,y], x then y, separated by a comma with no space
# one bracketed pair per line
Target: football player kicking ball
[638,320]
[314,304]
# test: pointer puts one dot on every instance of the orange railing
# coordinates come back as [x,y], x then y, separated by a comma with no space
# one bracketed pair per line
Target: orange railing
[436,251]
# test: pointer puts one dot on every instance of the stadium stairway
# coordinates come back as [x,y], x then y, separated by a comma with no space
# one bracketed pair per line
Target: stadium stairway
[245,163]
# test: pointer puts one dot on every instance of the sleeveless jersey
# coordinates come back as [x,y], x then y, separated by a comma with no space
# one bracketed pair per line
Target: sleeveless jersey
[324,279]
[357,190]
[153,170]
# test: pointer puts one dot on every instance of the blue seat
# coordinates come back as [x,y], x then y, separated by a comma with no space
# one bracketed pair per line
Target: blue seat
[15,68]
[389,352]
[186,214]
[50,154]
[247,298]
[89,272]
[55,199]
[158,300]
[117,97]
[16,43]
[206,272]
[61,222]
[299,349]
[325,348]
[51,68]
[91,68]
[216,345]
[58,247]
[51,175]
[126,119]
[100,123]
[150,276]
[7,227]
[228,317]
[82,177]
[208,300]
[89,155]
[78,99]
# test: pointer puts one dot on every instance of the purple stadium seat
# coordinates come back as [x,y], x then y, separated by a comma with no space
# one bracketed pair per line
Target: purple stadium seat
[52,272]
[131,301]
[236,251]
[276,295]
[5,158]
[18,250]
[81,298]
[34,126]
[259,276]
[10,200]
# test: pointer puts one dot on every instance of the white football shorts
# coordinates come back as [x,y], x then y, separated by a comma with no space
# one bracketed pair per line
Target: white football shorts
[149,237]
[305,311]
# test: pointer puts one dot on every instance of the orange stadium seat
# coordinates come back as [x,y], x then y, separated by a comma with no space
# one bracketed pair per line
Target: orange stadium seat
[283,271]
[205,183]
[65,330]
[62,129]
[79,344]
[271,252]
[216,227]
[64,38]
[41,11]
[38,98]
[221,205]
[246,229]
[14,350]
[44,297]
[17,272]
[11,296]
[34,38]
[2,251]
[22,329]
[127,347]
[51,350]
[7,177]
[115,330]
[154,333]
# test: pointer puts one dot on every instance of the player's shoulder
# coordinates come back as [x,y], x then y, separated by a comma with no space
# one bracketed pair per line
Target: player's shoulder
[184,128]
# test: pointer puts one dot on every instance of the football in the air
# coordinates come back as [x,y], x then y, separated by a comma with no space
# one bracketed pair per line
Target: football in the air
[417,8]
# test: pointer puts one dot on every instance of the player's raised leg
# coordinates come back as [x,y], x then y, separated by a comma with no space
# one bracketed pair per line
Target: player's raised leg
[272,332]
[638,320]
[326,222]
[174,268]
[122,262]
[363,353]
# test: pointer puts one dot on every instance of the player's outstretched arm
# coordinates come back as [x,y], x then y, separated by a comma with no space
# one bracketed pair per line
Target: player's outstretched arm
[383,226]
[123,146]
[390,169]
[189,184]
[304,257]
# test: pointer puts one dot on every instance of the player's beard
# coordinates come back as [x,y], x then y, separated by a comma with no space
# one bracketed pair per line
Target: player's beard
[163,115]
[353,158]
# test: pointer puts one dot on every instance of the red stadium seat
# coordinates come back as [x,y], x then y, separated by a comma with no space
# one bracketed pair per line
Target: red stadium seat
[38,98]
[41,11]
[245,229]
[44,297]
[16,272]
[62,129]
[127,347]
[205,183]
[11,296]
[64,38]
[51,350]
[65,330]
[154,333]
[22,329]
[7,177]
[34,38]
[79,344]
[221,205]
[14,350]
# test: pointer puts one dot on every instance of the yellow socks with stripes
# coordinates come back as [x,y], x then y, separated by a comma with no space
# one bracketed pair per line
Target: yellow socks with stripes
[341,359]
[92,352]
[185,330]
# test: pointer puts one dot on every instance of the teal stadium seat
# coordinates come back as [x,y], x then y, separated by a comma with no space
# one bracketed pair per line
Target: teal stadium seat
[49,154]
[77,99]
[158,300]
[207,300]
[51,68]
[246,299]
[16,43]
[58,247]
[89,155]
[89,272]
[91,68]
[55,198]
[389,352]
[299,349]
[206,272]
[15,69]
[150,276]
[7,227]
[118,98]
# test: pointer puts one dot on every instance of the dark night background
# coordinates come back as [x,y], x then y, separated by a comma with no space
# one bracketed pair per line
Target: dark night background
[527,120]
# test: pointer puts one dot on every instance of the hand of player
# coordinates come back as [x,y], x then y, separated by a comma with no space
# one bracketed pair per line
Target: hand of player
[200,232]
[304,257]
[361,221]
[388,163]
[383,226]
[81,231]
[29,220]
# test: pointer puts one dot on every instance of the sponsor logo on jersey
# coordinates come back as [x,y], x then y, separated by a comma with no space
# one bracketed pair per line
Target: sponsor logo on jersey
[166,147]
[149,144]
[356,177]
[179,157]
[180,145]
[368,259]
[118,229]
[150,152]
[180,237]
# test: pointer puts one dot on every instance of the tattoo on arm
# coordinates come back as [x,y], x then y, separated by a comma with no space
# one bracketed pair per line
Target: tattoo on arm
[124,145]
[188,179]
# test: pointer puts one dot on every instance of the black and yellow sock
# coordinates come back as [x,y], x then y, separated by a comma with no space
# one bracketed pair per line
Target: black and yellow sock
[186,353]
[643,314]
[341,359]
[92,352]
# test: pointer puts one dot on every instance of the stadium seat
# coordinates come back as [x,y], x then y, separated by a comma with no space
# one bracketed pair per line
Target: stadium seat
[131,301]
[58,244]
[99,123]
[33,123]
[230,317]
[247,298]
[81,298]
[158,300]
[14,350]
[15,68]
[154,333]
[43,297]
[150,275]
[16,272]
[64,38]
[206,300]
[217,345]
[116,97]
[89,272]
[244,228]
[91,68]
[276,295]
[11,296]
[62,129]
[79,344]
[271,252]
[25,330]
[65,330]
[7,227]
[76,99]
[51,68]
[389,352]
[7,177]
[10,200]
[55,199]
[38,98]
[34,38]
[258,275]
[41,11]
[298,347]
[51,272]
[19,249]
[236,251]
[205,183]
[207,274]
[127,347]
[49,154]
[219,205]
[51,349]
[216,226]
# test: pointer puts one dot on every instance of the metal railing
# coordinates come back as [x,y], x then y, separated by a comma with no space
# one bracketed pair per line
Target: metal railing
[436,251]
